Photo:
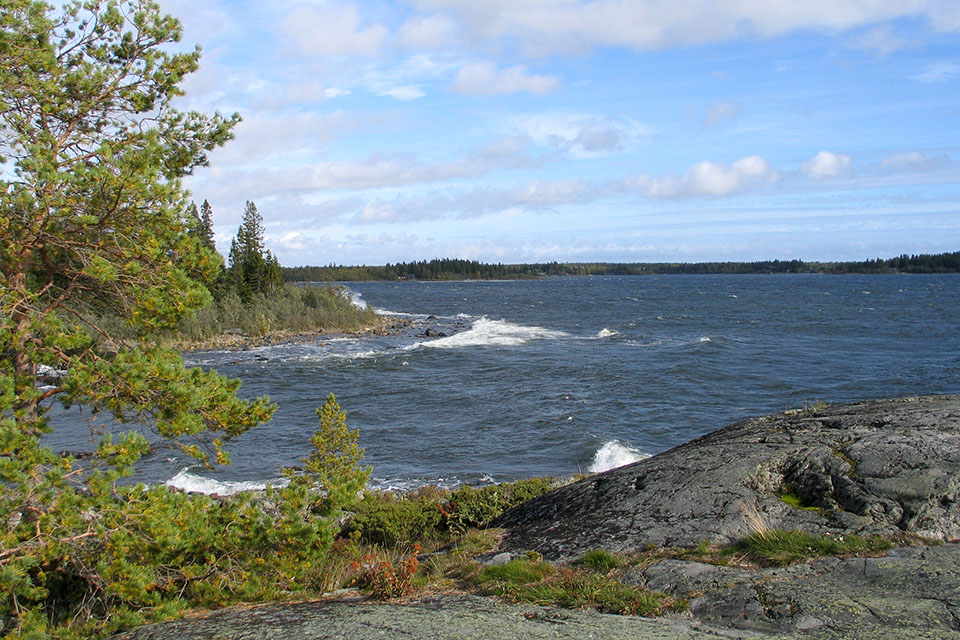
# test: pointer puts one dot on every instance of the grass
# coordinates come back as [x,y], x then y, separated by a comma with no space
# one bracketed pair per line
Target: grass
[780,548]
[537,582]
[598,560]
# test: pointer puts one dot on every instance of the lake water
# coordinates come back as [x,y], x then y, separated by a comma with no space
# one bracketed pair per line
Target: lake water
[565,375]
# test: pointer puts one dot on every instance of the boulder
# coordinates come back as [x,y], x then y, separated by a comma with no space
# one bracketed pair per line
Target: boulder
[880,467]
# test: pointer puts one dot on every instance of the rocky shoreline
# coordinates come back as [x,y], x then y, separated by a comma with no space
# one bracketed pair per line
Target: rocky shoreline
[887,467]
[236,340]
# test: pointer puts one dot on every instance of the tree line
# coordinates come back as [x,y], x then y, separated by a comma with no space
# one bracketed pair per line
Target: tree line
[451,269]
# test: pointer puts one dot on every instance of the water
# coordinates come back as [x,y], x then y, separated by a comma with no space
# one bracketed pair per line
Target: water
[559,376]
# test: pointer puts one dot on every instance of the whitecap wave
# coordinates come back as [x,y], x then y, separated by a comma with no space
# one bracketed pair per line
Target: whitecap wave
[355,298]
[614,454]
[607,333]
[500,333]
[192,483]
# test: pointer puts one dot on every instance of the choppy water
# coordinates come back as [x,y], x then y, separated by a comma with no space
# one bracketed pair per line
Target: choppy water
[556,376]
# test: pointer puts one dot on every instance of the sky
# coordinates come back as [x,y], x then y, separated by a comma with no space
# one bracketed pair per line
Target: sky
[582,130]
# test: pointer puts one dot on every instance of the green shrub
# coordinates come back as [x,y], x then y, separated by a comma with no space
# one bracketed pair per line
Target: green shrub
[388,520]
[87,564]
[291,307]
[477,507]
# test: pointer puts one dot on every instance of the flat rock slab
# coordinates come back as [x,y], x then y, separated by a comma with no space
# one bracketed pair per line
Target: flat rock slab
[446,618]
[886,466]
[911,592]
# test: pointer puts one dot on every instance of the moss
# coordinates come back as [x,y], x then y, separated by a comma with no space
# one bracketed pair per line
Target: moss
[788,495]
[840,453]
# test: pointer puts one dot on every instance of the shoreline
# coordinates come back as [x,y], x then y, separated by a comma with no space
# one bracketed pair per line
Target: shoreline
[232,340]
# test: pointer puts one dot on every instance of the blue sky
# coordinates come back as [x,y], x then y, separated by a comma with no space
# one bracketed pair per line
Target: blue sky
[583,130]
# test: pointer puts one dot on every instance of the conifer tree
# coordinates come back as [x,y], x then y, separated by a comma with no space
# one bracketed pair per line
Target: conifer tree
[94,222]
[253,270]
[206,225]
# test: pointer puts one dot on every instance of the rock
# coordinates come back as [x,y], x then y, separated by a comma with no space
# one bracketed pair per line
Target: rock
[499,559]
[887,466]
[440,618]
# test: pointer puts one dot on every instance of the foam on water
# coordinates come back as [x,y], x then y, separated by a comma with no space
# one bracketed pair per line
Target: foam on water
[500,333]
[192,483]
[614,454]
[607,333]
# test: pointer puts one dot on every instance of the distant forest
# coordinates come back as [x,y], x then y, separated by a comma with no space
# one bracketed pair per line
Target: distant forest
[447,269]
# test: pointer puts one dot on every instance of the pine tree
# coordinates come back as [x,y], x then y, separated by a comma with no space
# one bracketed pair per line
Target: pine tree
[94,223]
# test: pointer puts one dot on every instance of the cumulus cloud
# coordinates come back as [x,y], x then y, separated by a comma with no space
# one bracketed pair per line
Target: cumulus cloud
[332,31]
[938,72]
[827,164]
[706,178]
[485,78]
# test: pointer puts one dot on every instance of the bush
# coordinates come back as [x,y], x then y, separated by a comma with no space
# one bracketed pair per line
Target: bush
[91,563]
[385,579]
[388,520]
[291,307]
[477,507]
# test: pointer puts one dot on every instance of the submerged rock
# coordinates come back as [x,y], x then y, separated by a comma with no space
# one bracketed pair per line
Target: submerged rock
[887,466]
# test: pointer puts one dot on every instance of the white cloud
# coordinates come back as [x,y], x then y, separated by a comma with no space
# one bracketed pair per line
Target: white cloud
[719,112]
[332,31]
[549,26]
[582,135]
[403,93]
[427,32]
[827,165]
[880,41]
[374,212]
[484,78]
[262,135]
[915,161]
[706,178]
[539,195]
[938,72]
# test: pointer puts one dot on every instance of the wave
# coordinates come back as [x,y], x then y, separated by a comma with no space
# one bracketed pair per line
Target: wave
[614,454]
[607,333]
[500,333]
[355,298]
[192,483]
